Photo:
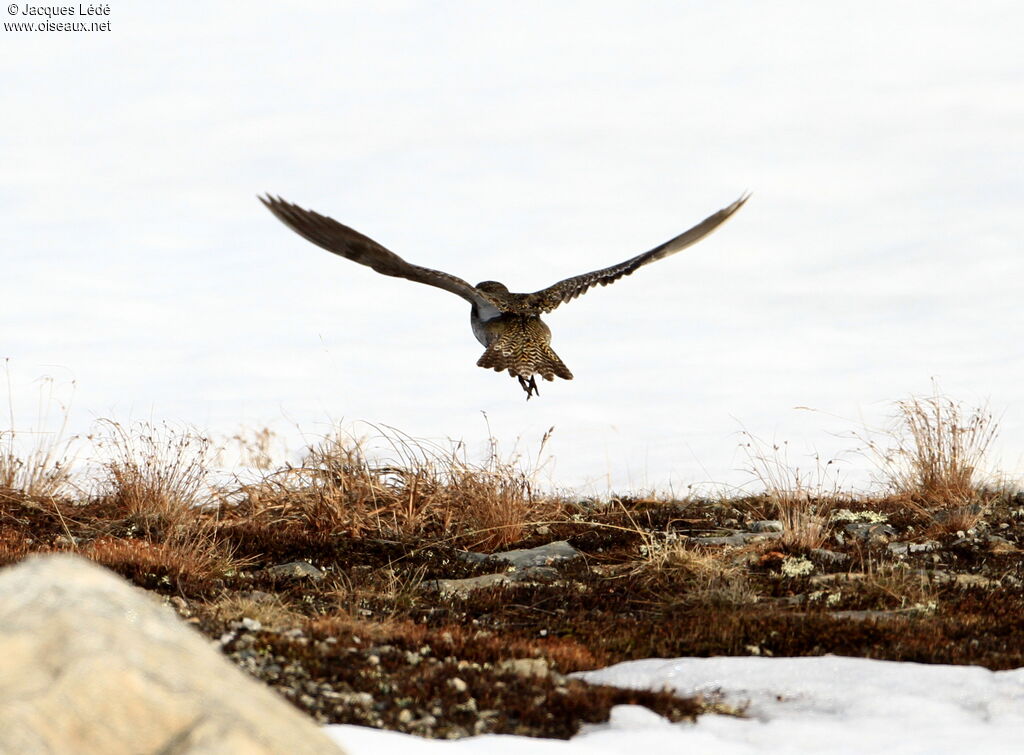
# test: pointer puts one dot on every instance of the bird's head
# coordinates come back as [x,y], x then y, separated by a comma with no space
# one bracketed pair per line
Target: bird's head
[492,287]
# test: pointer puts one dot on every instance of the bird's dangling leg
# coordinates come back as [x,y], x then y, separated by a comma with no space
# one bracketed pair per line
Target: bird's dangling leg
[530,386]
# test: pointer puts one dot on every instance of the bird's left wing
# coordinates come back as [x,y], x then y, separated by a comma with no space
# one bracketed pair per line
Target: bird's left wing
[547,299]
[331,235]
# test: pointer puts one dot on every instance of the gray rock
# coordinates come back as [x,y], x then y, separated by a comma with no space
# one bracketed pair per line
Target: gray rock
[904,549]
[767,525]
[542,555]
[90,664]
[295,570]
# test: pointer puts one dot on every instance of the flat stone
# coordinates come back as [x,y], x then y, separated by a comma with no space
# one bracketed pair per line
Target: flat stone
[542,555]
[526,558]
[91,664]
[904,549]
[767,525]
[295,570]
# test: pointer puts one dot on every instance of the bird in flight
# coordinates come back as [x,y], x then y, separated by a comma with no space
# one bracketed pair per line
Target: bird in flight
[507,324]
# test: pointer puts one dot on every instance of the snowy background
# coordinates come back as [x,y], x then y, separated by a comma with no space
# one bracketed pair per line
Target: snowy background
[523,142]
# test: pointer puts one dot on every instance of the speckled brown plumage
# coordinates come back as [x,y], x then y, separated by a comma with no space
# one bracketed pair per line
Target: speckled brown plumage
[521,345]
[507,324]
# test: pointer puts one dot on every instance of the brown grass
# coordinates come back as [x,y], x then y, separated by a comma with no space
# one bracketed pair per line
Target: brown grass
[255,448]
[681,574]
[185,566]
[36,463]
[156,475]
[903,586]
[936,451]
[391,592]
[960,519]
[411,488]
[157,480]
[498,499]
[800,499]
[270,610]
[466,642]
[334,489]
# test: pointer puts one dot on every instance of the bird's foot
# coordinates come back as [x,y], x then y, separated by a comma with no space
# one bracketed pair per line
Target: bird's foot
[530,386]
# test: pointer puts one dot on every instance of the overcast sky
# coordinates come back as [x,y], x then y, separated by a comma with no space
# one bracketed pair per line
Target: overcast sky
[523,142]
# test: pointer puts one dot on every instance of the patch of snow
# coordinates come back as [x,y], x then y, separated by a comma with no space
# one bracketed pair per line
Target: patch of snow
[829,704]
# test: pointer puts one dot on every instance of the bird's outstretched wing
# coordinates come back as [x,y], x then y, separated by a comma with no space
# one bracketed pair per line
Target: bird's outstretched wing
[547,299]
[331,235]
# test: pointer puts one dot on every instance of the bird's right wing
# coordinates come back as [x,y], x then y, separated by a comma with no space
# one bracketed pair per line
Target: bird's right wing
[549,298]
[331,235]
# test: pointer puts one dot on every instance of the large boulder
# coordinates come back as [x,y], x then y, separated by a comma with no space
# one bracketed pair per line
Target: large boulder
[91,664]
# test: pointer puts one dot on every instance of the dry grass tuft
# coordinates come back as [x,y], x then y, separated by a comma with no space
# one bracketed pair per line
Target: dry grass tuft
[185,565]
[36,463]
[270,610]
[156,483]
[958,519]
[498,500]
[687,575]
[937,452]
[801,500]
[390,591]
[409,488]
[256,448]
[334,489]
[901,587]
[157,476]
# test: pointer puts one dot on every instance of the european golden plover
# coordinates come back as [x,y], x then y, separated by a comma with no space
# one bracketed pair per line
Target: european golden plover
[507,324]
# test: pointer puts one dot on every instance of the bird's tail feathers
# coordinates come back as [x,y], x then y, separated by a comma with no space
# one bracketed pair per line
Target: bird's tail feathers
[539,359]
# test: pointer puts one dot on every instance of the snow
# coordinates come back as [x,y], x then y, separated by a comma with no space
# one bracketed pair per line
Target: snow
[829,704]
